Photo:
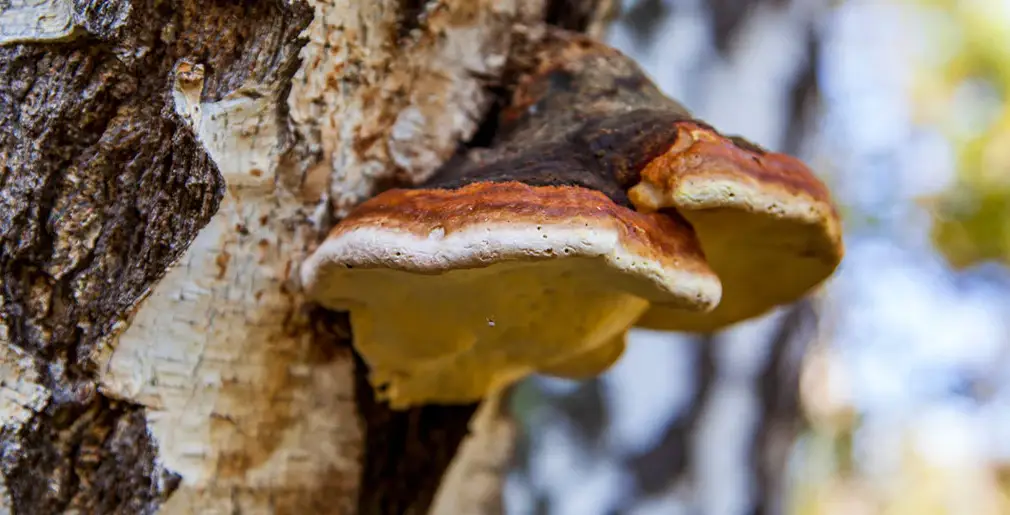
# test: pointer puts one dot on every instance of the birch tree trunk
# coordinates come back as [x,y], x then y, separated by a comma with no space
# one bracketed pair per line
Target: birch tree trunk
[164,168]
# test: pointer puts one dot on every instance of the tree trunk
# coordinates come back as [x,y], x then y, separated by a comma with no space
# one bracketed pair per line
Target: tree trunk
[164,168]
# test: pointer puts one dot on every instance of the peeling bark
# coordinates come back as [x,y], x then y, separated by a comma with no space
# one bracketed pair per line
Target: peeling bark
[164,166]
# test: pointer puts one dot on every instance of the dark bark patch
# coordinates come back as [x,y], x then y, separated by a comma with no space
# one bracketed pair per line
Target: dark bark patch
[411,17]
[579,15]
[91,455]
[406,452]
[102,188]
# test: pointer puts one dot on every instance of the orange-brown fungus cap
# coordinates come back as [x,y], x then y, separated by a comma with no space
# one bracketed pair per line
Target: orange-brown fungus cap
[456,292]
[766,223]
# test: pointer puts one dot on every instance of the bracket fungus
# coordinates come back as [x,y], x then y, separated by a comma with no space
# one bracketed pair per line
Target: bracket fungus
[600,204]
[767,225]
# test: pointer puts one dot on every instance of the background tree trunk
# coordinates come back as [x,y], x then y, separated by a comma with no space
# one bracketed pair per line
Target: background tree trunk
[724,435]
[164,168]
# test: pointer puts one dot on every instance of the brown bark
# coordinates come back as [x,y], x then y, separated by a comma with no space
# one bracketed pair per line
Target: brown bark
[137,135]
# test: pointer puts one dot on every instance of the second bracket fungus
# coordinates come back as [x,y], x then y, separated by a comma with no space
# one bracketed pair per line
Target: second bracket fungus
[600,202]
[766,224]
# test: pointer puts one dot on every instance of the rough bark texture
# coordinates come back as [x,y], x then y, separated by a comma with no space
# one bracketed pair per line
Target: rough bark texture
[103,187]
[218,137]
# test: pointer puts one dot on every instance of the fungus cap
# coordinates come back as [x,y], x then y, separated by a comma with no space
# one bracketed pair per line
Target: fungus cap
[453,293]
[766,224]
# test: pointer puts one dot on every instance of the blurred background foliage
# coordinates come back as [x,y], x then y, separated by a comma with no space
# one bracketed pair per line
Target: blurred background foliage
[963,86]
[887,391]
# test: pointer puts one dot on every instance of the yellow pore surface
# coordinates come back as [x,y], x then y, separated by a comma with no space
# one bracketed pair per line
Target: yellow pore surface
[456,336]
[762,262]
[767,247]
